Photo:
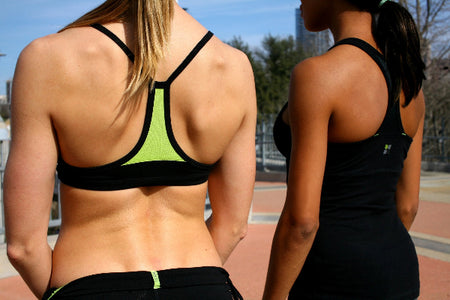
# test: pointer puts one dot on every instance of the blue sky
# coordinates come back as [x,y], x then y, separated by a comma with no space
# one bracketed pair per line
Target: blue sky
[22,21]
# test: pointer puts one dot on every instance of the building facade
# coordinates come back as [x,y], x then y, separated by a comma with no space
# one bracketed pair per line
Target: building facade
[313,43]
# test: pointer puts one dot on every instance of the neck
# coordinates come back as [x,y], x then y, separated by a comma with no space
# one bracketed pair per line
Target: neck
[350,22]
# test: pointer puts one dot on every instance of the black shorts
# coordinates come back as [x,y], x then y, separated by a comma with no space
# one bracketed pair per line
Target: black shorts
[183,284]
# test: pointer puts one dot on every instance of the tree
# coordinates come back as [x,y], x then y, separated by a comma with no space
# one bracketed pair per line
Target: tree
[272,65]
[258,68]
[431,17]
[278,56]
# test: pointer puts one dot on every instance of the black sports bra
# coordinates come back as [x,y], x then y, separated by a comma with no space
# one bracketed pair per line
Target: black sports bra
[157,159]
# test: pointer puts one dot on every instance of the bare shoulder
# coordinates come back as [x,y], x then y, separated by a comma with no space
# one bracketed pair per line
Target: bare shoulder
[330,67]
[236,64]
[353,65]
[36,69]
[237,57]
[49,56]
[37,54]
[314,79]
[330,77]
[65,61]
[309,69]
[235,71]
[51,48]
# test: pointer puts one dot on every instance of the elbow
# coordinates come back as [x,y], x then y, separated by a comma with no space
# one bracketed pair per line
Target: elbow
[17,253]
[243,230]
[235,229]
[239,230]
[20,250]
[301,230]
[409,211]
[305,231]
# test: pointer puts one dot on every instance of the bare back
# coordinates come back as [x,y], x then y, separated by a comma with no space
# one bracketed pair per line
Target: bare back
[146,228]
[360,108]
[356,93]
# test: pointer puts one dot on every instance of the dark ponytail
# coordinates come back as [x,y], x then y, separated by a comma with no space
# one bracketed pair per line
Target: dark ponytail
[396,36]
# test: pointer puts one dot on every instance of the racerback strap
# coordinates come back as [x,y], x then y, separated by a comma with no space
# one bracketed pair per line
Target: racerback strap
[130,54]
[116,40]
[375,55]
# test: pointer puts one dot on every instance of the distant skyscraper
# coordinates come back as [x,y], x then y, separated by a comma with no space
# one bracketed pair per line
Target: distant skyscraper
[314,43]
[8,91]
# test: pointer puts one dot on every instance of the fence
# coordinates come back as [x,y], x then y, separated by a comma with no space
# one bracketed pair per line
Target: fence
[267,159]
[436,145]
[436,148]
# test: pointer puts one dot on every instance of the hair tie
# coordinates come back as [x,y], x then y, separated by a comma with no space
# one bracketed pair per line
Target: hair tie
[382,2]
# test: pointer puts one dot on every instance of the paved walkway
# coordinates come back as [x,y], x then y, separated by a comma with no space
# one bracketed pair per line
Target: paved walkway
[248,263]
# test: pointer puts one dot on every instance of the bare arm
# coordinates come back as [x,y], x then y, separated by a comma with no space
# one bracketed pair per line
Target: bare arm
[309,113]
[407,194]
[231,183]
[30,174]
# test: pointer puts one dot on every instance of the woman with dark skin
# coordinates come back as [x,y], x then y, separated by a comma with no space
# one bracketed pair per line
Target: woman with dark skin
[134,220]
[352,136]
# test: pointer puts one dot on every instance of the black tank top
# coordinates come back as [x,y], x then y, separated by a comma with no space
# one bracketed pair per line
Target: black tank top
[361,250]
[157,159]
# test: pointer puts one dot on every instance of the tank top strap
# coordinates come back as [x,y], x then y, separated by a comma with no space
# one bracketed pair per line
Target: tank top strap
[376,56]
[115,39]
[392,119]
[190,56]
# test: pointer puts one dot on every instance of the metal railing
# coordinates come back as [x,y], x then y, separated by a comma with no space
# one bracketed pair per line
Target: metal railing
[268,158]
[436,148]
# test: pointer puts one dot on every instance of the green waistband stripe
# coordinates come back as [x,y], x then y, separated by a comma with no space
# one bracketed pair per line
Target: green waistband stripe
[156,284]
[54,293]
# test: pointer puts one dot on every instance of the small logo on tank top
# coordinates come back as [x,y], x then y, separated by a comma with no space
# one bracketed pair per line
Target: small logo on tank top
[387,149]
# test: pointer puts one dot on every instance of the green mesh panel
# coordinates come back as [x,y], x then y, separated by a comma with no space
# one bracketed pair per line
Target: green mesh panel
[157,145]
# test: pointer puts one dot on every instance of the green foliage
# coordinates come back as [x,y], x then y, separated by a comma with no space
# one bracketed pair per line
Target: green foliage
[272,65]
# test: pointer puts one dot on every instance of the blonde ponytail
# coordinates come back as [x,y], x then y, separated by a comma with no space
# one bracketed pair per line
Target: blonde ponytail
[151,20]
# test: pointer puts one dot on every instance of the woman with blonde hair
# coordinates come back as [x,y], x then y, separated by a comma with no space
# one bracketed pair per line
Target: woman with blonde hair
[352,136]
[140,110]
